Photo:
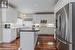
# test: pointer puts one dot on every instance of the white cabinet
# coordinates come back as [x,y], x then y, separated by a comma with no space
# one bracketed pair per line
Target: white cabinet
[27,40]
[9,35]
[9,15]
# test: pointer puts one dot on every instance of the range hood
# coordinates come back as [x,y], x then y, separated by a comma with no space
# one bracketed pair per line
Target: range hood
[44,13]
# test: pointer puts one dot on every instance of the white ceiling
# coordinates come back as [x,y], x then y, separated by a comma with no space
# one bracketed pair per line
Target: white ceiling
[29,6]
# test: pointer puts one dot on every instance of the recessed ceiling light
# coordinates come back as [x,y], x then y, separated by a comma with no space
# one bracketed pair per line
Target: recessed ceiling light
[4,4]
[22,15]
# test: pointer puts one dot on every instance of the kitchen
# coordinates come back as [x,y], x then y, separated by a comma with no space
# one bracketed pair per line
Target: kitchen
[28,19]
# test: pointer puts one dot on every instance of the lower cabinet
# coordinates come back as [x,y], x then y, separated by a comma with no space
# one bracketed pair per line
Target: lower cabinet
[27,40]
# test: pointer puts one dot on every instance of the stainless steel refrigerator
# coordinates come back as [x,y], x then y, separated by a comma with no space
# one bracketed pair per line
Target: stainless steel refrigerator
[65,25]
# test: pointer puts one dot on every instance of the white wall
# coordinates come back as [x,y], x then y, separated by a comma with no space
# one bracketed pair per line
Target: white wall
[50,19]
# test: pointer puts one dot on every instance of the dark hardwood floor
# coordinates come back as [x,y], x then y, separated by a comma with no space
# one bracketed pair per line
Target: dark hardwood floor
[46,42]
[10,46]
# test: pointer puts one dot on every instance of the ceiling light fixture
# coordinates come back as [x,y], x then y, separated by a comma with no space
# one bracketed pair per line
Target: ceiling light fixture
[4,4]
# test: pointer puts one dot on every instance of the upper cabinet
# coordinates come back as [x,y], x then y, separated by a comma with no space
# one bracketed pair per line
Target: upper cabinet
[48,18]
[9,15]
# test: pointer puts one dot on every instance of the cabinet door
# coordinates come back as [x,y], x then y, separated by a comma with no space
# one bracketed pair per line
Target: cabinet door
[27,40]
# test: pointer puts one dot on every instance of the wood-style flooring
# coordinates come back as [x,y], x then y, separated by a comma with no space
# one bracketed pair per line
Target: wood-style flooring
[43,43]
[46,42]
[10,46]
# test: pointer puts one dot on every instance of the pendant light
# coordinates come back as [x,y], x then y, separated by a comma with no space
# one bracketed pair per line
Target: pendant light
[4,4]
